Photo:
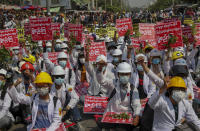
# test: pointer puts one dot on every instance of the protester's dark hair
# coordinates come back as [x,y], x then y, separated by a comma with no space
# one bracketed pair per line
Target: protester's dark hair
[169,92]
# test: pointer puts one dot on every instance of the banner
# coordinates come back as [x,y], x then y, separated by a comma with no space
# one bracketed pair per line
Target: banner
[137,43]
[76,30]
[163,30]
[9,38]
[85,37]
[55,28]
[96,49]
[41,29]
[27,29]
[111,32]
[123,25]
[20,33]
[197,35]
[187,32]
[82,88]
[95,105]
[113,117]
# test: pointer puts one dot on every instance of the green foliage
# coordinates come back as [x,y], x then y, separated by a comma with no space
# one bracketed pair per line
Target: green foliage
[5,57]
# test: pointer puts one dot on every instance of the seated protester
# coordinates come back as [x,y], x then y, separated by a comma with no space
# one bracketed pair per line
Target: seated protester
[170,107]
[62,60]
[6,118]
[66,95]
[125,97]
[46,109]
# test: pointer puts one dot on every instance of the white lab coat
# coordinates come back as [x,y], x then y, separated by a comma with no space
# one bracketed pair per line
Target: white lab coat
[116,104]
[61,94]
[53,112]
[148,86]
[164,113]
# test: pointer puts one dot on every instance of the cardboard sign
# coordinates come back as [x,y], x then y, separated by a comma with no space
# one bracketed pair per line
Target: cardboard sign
[20,33]
[76,30]
[197,35]
[113,117]
[164,30]
[82,89]
[9,38]
[96,49]
[123,25]
[41,29]
[95,105]
[27,29]
[187,32]
[55,28]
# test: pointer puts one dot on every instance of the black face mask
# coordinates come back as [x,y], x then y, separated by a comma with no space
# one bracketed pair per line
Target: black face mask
[179,70]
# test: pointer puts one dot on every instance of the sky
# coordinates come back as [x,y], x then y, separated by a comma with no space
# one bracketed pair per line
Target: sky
[139,3]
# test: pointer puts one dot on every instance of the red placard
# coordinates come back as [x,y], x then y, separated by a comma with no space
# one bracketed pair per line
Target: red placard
[76,30]
[187,32]
[95,105]
[123,25]
[85,37]
[108,117]
[135,42]
[56,28]
[147,31]
[82,89]
[27,29]
[96,49]
[9,38]
[162,34]
[197,35]
[41,28]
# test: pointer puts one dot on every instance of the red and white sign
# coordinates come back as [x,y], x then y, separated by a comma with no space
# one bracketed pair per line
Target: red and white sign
[41,28]
[82,89]
[111,117]
[56,28]
[85,37]
[196,92]
[147,31]
[135,42]
[27,29]
[197,35]
[123,25]
[76,30]
[9,38]
[96,49]
[162,34]
[187,32]
[95,105]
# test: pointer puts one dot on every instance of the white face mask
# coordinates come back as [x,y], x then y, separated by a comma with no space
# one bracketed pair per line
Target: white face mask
[82,60]
[124,79]
[43,91]
[178,95]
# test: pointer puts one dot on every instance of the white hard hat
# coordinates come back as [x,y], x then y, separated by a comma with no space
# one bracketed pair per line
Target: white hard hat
[102,38]
[120,39]
[58,41]
[21,63]
[124,68]
[155,52]
[116,52]
[64,45]
[58,70]
[27,43]
[107,39]
[15,48]
[180,61]
[101,58]
[3,72]
[179,49]
[40,43]
[140,55]
[62,55]
[97,37]
[65,40]
[85,30]
[48,44]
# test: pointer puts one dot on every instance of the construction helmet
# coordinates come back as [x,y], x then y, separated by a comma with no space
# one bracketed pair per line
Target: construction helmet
[140,55]
[177,55]
[30,59]
[43,77]
[148,46]
[57,71]
[48,44]
[58,41]
[176,81]
[116,52]
[62,55]
[28,66]
[3,72]
[180,61]
[124,68]
[101,58]
[63,46]
[40,43]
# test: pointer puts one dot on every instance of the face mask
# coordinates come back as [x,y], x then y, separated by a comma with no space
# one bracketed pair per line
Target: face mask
[156,61]
[178,95]
[59,81]
[115,59]
[43,91]
[57,47]
[2,83]
[78,47]
[48,49]
[63,63]
[124,79]
[16,52]
[139,68]
[82,60]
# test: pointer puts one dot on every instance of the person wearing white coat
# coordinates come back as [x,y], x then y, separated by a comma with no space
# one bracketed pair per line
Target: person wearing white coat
[170,107]
[121,100]
[45,113]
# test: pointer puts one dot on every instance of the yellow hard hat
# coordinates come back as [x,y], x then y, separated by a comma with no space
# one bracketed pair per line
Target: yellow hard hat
[43,77]
[30,59]
[177,82]
[177,55]
[148,46]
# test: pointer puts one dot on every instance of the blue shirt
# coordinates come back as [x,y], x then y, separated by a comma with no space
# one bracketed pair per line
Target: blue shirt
[42,120]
